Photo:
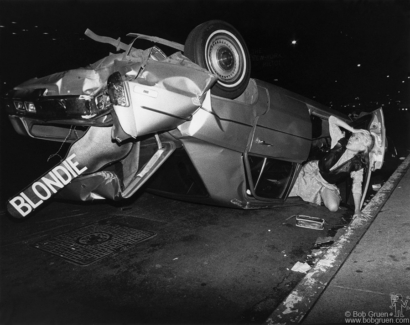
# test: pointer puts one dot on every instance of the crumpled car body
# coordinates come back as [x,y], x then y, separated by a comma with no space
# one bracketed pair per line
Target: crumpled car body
[143,119]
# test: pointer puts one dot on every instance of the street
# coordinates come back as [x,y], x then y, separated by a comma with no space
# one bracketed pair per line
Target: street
[205,264]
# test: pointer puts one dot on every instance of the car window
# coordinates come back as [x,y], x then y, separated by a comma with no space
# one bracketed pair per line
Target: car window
[270,177]
[316,126]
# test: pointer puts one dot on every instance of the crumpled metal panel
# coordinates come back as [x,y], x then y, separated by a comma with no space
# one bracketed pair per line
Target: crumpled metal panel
[95,168]
[96,149]
[97,186]
[228,123]
[158,40]
[122,179]
[225,183]
[285,131]
[163,96]
[87,155]
[224,133]
[105,184]
[83,81]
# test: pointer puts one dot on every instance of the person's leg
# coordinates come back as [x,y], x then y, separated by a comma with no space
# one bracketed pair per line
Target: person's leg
[330,198]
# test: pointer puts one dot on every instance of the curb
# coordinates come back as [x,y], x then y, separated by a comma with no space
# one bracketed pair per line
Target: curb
[302,298]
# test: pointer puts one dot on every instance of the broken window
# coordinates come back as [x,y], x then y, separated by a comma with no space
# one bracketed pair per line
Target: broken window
[269,178]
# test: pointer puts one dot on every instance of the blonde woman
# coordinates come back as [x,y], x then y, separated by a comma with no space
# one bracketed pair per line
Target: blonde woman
[317,180]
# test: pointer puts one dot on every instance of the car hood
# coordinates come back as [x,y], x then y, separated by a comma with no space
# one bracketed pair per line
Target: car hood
[81,81]
[90,80]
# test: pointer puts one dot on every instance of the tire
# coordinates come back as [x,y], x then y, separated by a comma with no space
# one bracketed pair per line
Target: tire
[218,47]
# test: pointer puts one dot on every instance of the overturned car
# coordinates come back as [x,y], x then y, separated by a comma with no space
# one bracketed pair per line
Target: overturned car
[192,126]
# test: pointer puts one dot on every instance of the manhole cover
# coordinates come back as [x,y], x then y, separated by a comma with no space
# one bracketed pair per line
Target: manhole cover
[91,243]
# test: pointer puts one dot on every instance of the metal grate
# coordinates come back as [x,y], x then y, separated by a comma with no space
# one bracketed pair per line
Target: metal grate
[89,244]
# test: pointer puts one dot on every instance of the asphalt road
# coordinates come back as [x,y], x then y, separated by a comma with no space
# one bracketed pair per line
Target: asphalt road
[205,264]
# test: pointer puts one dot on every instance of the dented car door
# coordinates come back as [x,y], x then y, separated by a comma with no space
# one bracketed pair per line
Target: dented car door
[280,142]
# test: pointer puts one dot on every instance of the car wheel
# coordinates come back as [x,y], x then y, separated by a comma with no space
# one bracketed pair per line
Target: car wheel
[218,47]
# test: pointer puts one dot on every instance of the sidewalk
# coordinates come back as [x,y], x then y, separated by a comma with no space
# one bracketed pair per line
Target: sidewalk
[365,277]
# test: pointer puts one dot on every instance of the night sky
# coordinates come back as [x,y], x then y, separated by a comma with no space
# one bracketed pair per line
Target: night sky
[332,39]
[347,53]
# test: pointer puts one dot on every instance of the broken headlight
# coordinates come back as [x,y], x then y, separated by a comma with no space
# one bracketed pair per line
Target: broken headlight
[117,90]
[30,107]
[102,101]
[19,106]
[24,106]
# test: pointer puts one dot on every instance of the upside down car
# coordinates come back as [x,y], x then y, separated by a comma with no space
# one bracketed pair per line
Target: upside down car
[192,126]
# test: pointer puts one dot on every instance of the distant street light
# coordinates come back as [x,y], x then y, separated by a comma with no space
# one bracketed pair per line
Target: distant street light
[294,42]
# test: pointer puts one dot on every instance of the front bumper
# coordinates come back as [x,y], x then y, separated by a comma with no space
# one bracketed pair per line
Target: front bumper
[80,107]
[54,118]
[56,130]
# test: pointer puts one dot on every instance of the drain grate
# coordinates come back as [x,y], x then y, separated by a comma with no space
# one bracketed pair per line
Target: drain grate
[89,244]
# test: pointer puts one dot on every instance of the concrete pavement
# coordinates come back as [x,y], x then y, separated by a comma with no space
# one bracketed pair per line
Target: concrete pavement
[365,276]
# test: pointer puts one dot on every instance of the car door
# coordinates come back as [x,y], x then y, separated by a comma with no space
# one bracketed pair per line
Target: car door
[280,142]
[374,122]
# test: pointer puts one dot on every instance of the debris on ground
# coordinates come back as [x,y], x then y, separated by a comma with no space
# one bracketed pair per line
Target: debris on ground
[301,267]
[321,244]
[310,222]
[315,256]
[376,187]
[324,242]
[317,252]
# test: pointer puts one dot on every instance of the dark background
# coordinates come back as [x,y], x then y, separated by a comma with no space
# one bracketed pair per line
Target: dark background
[333,38]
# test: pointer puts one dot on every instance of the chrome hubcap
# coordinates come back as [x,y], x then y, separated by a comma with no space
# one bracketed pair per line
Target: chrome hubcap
[224,59]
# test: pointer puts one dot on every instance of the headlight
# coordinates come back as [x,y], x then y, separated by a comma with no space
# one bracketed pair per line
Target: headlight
[102,101]
[117,90]
[19,106]
[30,107]
[25,107]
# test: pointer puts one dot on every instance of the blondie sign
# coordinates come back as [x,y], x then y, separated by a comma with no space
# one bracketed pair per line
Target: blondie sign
[45,187]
